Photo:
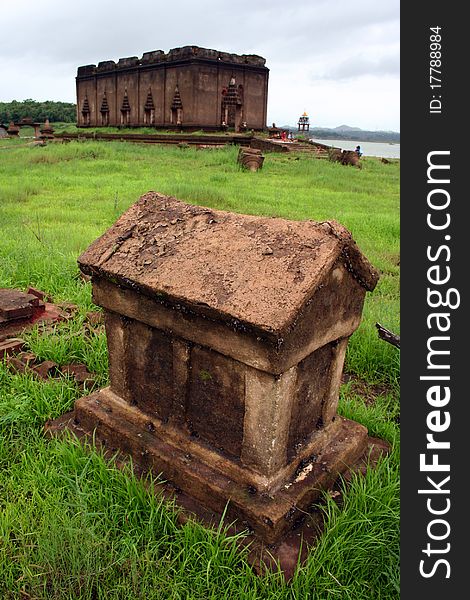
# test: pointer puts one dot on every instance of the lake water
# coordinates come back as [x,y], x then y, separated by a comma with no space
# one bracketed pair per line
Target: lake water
[368,148]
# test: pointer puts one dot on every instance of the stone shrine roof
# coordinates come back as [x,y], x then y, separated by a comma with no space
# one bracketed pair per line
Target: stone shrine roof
[258,271]
[184,53]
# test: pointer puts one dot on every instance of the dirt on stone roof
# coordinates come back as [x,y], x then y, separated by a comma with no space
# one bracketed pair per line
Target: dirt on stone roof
[256,270]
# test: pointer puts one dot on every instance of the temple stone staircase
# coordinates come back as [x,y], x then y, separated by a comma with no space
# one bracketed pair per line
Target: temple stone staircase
[312,149]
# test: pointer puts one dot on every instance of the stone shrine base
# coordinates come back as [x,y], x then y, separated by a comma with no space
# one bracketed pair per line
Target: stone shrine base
[281,523]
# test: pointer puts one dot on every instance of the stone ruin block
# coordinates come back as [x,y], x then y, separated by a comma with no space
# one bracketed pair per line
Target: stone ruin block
[130,61]
[20,311]
[229,57]
[179,53]
[86,70]
[208,53]
[47,131]
[226,336]
[250,158]
[254,59]
[16,305]
[13,129]
[153,56]
[106,65]
[252,162]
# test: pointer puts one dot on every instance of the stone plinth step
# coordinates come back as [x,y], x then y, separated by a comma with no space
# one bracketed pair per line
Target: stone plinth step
[279,529]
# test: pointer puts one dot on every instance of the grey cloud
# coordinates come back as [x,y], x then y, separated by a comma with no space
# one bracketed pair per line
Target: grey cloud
[360,66]
[280,30]
[315,40]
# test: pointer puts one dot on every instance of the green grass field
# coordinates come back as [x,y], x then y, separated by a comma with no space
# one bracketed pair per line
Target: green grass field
[71,525]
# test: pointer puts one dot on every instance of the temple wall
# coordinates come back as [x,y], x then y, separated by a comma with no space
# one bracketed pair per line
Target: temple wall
[200,74]
[155,80]
[206,94]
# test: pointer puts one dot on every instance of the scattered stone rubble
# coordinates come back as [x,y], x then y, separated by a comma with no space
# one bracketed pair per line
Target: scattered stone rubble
[20,311]
[27,363]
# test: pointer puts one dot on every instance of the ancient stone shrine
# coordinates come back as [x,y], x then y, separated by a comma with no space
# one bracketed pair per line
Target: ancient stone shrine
[227,335]
[186,88]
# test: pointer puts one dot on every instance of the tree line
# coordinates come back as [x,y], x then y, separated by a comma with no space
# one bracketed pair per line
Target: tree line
[39,111]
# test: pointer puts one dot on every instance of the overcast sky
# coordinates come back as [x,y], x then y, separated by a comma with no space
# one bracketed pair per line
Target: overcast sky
[336,59]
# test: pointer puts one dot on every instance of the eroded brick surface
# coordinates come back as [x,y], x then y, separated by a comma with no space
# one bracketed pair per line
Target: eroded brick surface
[216,400]
[15,304]
[11,346]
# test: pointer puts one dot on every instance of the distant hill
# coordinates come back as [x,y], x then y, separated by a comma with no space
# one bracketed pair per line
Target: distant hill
[345,132]
[346,128]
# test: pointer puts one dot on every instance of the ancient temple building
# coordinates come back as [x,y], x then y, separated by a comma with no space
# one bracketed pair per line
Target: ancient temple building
[188,87]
